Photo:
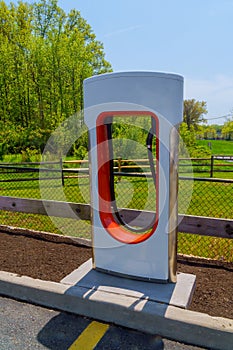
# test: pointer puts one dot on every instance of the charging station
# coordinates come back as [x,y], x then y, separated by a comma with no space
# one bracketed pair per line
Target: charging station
[146,247]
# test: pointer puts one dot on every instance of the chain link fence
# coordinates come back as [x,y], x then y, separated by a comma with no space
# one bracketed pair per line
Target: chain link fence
[69,182]
[209,198]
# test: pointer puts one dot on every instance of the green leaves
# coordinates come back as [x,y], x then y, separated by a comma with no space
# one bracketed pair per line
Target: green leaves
[188,146]
[227,129]
[45,54]
[193,112]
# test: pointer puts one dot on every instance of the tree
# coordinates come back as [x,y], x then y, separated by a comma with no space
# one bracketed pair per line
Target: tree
[207,132]
[45,54]
[227,129]
[188,146]
[193,113]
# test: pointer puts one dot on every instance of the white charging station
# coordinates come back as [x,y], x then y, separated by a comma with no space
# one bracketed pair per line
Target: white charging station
[150,253]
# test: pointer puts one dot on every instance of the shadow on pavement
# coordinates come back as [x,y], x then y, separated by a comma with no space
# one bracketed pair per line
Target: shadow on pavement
[62,330]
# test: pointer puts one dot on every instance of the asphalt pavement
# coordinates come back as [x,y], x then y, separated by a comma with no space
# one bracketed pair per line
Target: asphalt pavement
[26,326]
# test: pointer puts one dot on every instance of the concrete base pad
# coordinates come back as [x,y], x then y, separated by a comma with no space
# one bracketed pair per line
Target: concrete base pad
[178,294]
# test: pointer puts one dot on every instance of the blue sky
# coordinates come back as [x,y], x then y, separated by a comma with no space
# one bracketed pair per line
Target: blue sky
[190,37]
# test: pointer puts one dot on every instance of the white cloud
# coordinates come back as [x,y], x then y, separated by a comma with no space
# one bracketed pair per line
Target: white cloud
[217,92]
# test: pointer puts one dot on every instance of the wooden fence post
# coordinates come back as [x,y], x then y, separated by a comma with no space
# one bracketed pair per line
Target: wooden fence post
[211,166]
[119,167]
[62,175]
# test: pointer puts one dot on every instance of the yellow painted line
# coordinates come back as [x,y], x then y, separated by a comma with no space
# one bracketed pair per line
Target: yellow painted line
[90,337]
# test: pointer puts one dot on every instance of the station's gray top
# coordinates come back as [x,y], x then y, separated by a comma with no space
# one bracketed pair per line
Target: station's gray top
[133,74]
[155,91]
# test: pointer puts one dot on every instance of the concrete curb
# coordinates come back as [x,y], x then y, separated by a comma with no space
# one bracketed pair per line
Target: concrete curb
[132,312]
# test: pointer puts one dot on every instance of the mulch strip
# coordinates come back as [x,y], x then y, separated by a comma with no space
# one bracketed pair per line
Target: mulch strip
[47,260]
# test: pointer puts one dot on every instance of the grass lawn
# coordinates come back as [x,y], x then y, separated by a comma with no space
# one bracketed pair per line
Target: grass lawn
[207,247]
[218,147]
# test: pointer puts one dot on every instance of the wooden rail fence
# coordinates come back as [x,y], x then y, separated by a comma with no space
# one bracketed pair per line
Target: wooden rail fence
[206,226]
[122,167]
[209,163]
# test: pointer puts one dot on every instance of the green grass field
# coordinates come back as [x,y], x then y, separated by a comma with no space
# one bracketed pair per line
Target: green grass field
[202,168]
[218,147]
